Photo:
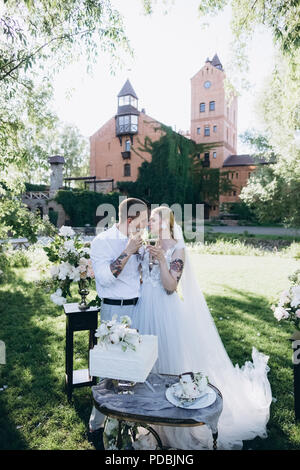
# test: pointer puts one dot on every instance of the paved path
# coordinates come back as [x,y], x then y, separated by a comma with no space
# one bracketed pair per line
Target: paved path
[256,230]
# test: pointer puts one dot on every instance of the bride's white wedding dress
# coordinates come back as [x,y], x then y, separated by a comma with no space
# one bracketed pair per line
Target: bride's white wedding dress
[189,341]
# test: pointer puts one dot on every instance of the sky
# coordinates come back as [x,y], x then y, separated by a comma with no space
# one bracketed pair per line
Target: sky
[168,50]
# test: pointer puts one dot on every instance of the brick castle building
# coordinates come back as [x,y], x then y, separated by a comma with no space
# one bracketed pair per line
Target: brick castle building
[112,156]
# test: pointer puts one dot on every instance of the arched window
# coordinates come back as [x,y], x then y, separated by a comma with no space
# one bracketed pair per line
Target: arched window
[127,145]
[108,170]
[127,171]
[212,105]
[202,107]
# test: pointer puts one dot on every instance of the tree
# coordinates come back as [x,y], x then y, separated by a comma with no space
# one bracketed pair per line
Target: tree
[273,190]
[37,38]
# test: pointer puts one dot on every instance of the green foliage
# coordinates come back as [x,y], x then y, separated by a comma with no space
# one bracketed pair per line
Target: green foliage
[273,190]
[36,187]
[175,173]
[240,209]
[35,413]
[53,216]
[81,205]
[36,40]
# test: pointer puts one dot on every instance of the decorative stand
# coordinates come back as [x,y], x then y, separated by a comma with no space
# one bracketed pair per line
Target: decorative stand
[295,338]
[79,320]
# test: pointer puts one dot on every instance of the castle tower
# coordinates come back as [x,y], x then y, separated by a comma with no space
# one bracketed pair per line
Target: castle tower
[56,177]
[212,119]
[127,115]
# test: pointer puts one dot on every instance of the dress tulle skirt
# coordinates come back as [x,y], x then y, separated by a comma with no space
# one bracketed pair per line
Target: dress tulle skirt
[246,390]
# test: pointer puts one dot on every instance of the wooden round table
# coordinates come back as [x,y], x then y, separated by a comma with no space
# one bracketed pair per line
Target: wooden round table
[145,419]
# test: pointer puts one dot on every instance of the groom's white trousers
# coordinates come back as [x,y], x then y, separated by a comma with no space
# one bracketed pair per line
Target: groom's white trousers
[107,311]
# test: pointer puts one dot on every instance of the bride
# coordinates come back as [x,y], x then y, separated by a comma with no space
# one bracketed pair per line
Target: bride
[188,340]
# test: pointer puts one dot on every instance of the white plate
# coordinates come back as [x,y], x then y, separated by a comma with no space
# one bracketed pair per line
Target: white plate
[206,400]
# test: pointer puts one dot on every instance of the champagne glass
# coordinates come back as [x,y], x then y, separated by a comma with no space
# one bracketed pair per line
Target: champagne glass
[152,241]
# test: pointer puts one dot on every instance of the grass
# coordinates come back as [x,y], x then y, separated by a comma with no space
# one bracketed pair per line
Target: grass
[35,413]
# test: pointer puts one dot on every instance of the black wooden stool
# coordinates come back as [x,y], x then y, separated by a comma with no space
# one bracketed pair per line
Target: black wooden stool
[79,320]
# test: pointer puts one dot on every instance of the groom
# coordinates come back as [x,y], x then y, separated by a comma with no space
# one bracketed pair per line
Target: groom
[116,269]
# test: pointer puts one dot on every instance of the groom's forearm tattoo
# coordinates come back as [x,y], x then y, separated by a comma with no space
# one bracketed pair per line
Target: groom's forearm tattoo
[177,266]
[116,266]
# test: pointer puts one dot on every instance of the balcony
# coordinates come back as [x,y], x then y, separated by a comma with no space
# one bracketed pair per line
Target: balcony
[122,129]
[126,155]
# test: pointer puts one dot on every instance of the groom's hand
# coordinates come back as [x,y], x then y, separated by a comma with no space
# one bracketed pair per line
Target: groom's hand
[134,244]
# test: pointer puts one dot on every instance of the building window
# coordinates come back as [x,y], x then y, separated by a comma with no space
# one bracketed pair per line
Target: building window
[126,100]
[127,146]
[206,130]
[236,175]
[198,130]
[127,169]
[215,128]
[214,154]
[212,105]
[249,174]
[198,156]
[232,174]
[127,123]
[227,134]
[108,171]
[234,193]
[206,156]
[108,146]
[202,107]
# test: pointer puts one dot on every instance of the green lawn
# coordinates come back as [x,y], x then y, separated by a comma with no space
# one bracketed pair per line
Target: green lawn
[34,410]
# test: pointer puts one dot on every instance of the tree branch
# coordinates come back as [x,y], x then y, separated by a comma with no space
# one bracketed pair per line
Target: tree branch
[27,57]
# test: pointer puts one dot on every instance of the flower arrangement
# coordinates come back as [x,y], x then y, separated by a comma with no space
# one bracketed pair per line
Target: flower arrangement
[72,263]
[118,333]
[190,387]
[288,307]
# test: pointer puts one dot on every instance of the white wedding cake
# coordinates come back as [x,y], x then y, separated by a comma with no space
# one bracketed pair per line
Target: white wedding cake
[122,353]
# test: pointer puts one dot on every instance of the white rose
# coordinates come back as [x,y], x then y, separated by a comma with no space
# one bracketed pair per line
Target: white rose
[102,329]
[74,274]
[280,313]
[295,291]
[69,245]
[114,338]
[65,231]
[57,297]
[65,269]
[54,270]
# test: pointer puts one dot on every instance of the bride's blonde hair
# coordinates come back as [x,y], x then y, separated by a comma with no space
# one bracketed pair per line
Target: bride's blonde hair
[167,215]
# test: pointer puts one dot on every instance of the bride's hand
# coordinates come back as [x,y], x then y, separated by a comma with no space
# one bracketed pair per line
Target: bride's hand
[156,252]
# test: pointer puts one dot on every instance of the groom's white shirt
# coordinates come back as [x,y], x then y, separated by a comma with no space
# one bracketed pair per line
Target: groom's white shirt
[105,248]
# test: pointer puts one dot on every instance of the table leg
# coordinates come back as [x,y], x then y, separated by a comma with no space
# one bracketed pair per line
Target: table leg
[69,361]
[215,437]
[119,440]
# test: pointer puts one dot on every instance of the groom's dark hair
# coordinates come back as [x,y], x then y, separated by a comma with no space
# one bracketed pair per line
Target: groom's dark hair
[131,207]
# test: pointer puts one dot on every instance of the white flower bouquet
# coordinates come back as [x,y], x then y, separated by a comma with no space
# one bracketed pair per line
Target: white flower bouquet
[190,387]
[288,307]
[118,333]
[72,263]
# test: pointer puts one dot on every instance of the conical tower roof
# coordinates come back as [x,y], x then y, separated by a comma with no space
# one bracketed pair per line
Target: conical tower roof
[127,90]
[216,62]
